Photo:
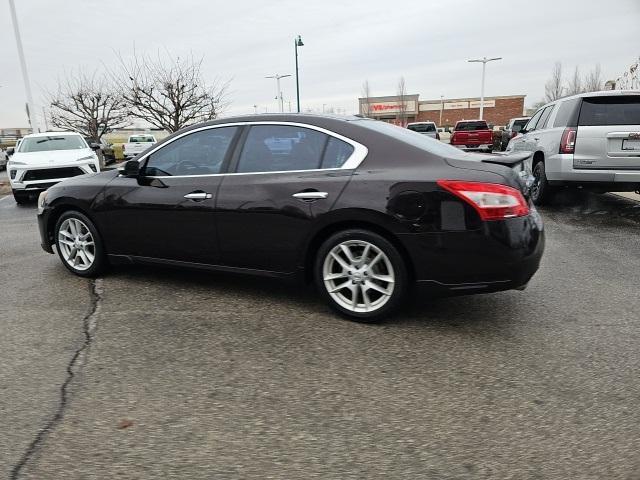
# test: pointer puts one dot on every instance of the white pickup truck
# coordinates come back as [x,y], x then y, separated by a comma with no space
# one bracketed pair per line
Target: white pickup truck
[137,144]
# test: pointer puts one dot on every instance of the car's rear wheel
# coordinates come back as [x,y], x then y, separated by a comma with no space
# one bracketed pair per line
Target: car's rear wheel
[79,245]
[361,274]
[541,191]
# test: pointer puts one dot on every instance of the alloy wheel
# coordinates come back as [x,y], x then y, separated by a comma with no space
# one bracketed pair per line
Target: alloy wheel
[358,276]
[76,244]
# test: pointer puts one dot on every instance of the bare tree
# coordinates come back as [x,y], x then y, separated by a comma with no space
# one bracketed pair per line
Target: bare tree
[87,104]
[575,84]
[401,116]
[170,93]
[593,80]
[553,89]
[366,95]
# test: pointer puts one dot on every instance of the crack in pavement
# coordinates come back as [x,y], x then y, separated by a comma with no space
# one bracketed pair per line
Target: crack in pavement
[89,325]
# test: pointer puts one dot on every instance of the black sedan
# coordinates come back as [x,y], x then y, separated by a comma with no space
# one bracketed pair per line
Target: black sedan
[362,208]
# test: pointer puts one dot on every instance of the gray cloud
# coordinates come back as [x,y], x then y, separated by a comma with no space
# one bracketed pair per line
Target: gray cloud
[345,43]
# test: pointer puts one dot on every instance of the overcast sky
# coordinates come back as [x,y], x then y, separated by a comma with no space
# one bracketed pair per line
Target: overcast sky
[346,42]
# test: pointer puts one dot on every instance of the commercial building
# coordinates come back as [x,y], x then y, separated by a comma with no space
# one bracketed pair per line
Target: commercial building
[444,111]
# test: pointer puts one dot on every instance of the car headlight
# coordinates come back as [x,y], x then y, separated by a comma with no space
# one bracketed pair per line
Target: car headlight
[12,174]
[88,157]
[42,201]
[93,167]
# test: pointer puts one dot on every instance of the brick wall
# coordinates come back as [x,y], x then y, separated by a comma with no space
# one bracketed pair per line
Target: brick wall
[505,109]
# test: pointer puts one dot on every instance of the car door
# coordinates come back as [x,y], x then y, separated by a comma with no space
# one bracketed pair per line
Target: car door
[168,211]
[285,177]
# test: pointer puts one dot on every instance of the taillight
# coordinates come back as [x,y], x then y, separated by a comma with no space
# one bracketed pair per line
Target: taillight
[568,141]
[492,201]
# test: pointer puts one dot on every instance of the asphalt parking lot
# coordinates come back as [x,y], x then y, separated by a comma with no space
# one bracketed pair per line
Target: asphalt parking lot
[155,373]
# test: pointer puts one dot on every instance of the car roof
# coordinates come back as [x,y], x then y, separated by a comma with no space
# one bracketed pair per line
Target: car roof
[420,123]
[599,93]
[471,120]
[48,134]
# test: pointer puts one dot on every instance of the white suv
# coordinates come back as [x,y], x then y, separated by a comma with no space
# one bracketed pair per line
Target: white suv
[44,159]
[590,140]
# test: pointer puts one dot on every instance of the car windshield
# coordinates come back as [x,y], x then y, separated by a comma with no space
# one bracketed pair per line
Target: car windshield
[54,142]
[422,127]
[519,124]
[424,142]
[141,139]
[471,126]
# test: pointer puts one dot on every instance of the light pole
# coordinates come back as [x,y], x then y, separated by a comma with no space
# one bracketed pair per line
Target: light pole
[297,42]
[279,92]
[484,62]
[23,65]
[441,108]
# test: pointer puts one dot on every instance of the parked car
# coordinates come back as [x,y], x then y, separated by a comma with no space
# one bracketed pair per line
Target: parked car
[472,135]
[4,158]
[359,206]
[591,140]
[137,144]
[513,127]
[425,128]
[104,148]
[44,159]
[445,134]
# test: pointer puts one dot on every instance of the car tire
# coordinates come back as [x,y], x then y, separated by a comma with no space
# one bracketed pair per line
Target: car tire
[541,191]
[361,275]
[21,198]
[79,244]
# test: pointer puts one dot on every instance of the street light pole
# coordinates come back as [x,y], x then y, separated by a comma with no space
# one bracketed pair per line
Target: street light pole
[279,91]
[297,42]
[441,108]
[23,66]
[484,62]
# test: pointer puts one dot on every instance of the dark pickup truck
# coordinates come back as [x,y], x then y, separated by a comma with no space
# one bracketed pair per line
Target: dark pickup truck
[472,135]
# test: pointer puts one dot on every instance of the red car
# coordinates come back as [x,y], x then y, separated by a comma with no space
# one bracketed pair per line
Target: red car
[472,135]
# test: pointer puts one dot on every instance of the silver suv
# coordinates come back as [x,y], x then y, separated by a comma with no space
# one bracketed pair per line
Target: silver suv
[590,140]
[426,128]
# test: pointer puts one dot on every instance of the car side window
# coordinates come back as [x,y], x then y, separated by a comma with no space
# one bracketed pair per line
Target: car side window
[544,117]
[198,153]
[534,120]
[336,153]
[278,148]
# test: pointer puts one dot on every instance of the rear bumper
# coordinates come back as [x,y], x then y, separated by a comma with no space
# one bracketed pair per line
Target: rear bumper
[559,170]
[471,148]
[503,255]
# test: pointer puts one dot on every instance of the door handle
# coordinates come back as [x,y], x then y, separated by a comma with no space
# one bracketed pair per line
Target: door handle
[310,195]
[197,196]
[536,138]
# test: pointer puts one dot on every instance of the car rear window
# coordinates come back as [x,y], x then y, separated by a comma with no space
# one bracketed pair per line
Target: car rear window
[422,127]
[141,139]
[53,142]
[471,126]
[519,124]
[610,110]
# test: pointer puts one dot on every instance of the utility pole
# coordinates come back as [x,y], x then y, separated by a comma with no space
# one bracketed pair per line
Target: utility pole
[279,91]
[484,62]
[23,66]
[255,109]
[441,108]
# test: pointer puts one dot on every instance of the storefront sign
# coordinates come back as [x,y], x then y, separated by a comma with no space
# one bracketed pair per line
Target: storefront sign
[382,108]
[455,105]
[487,103]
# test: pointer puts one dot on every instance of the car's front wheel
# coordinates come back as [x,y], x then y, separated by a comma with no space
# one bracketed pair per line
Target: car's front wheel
[79,245]
[361,274]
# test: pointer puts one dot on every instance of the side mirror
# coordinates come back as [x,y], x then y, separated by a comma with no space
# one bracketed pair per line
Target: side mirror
[131,168]
[10,151]
[94,146]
